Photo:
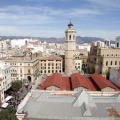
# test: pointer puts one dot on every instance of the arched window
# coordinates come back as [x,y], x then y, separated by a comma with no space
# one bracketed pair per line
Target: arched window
[115,62]
[69,37]
[111,63]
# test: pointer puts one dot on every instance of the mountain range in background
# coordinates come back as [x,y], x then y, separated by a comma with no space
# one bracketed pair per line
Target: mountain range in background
[79,39]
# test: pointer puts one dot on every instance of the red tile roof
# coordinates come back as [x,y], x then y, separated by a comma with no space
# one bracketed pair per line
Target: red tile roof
[95,82]
[79,81]
[34,42]
[102,82]
[92,87]
[56,80]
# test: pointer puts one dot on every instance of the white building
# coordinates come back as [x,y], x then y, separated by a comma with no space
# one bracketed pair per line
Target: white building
[5,45]
[19,42]
[84,46]
[115,77]
[5,79]
[78,64]
[117,43]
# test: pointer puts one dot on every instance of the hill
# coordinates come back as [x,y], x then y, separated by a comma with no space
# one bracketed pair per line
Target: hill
[79,39]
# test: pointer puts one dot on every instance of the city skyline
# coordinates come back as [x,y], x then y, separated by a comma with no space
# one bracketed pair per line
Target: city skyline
[49,18]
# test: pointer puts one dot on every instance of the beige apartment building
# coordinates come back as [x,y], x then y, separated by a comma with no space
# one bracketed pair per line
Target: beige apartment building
[50,64]
[101,59]
[23,67]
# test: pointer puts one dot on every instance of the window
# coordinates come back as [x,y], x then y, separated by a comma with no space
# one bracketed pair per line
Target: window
[106,62]
[115,62]
[111,63]
[69,37]
[117,44]
[28,71]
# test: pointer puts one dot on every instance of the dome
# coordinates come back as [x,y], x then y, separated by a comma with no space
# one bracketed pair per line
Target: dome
[70,25]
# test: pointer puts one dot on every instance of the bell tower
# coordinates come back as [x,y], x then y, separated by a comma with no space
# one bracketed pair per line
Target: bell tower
[70,48]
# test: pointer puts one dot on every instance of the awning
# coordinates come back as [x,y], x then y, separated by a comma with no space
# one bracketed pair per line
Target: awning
[8,98]
[4,105]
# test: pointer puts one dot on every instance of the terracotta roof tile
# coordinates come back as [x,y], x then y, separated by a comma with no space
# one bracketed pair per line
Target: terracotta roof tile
[78,81]
[102,82]
[95,82]
[92,87]
[56,80]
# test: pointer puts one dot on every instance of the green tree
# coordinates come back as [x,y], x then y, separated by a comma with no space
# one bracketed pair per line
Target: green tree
[16,85]
[8,114]
[107,73]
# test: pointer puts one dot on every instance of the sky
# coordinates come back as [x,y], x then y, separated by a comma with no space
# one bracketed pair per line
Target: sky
[49,18]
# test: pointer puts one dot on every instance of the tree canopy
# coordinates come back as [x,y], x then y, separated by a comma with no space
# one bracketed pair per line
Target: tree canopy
[16,85]
[8,114]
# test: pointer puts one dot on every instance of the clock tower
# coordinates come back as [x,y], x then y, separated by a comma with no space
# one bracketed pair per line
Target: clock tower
[70,48]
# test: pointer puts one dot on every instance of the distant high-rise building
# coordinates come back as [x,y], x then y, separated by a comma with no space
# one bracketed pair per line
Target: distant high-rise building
[70,48]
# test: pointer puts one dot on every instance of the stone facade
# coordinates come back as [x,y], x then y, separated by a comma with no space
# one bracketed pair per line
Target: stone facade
[50,64]
[100,59]
[70,48]
[23,69]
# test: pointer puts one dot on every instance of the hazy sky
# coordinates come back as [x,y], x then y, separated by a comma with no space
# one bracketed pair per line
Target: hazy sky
[49,18]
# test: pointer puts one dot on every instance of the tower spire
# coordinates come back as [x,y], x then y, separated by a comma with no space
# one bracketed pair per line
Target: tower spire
[70,24]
